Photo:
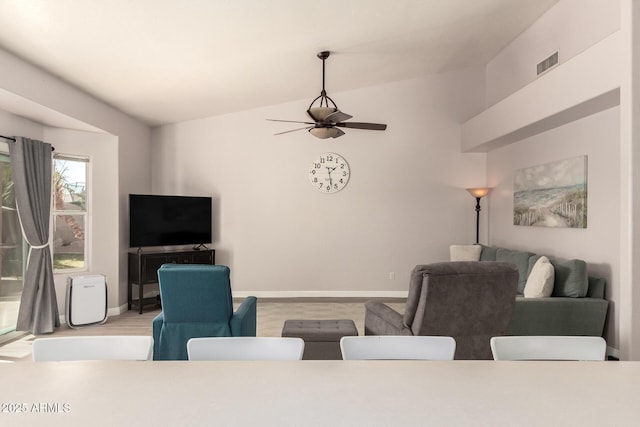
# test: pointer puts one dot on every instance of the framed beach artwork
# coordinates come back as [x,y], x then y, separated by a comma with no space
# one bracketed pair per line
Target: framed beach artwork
[552,195]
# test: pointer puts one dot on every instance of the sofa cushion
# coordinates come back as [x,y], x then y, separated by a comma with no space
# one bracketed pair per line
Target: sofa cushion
[540,281]
[596,287]
[520,259]
[488,253]
[558,316]
[570,279]
[465,252]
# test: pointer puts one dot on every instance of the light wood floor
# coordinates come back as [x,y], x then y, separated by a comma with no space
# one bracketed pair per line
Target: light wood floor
[271,314]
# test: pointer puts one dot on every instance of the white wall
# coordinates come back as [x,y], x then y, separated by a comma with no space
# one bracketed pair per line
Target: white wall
[102,150]
[598,137]
[11,125]
[404,205]
[573,26]
[41,95]
[569,27]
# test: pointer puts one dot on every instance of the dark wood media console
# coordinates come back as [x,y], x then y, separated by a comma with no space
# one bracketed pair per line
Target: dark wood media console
[143,270]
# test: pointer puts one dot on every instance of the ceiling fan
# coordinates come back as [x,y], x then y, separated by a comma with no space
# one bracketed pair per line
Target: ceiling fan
[327,118]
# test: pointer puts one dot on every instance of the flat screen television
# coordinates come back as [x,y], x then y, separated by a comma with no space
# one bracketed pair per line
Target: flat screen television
[156,220]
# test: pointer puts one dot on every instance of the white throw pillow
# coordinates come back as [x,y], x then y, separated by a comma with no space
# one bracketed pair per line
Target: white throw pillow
[465,252]
[540,281]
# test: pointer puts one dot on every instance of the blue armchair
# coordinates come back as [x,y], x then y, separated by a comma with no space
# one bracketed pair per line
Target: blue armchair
[196,302]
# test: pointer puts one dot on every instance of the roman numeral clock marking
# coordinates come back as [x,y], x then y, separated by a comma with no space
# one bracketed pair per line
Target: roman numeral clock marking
[329,173]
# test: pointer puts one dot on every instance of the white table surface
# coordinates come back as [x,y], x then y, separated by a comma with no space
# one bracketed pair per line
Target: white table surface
[321,393]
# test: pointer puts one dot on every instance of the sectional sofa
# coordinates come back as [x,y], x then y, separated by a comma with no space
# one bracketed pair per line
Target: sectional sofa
[577,305]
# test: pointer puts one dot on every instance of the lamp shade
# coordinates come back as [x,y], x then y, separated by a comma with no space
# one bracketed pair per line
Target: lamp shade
[479,191]
[324,133]
[319,114]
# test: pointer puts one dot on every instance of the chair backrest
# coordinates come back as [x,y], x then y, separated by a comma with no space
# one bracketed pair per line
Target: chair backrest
[469,301]
[196,293]
[383,347]
[548,348]
[92,348]
[245,348]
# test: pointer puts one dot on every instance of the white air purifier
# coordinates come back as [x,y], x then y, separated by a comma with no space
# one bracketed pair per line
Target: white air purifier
[86,302]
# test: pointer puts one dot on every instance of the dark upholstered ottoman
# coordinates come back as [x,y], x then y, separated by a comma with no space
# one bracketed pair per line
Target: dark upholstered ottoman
[321,337]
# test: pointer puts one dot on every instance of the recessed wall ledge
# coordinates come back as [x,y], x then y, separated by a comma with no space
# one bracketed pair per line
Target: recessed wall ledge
[586,84]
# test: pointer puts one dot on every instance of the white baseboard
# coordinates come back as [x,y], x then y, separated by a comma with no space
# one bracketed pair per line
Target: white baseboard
[117,310]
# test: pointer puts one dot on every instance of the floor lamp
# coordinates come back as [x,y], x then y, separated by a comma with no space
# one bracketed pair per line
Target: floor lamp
[478,193]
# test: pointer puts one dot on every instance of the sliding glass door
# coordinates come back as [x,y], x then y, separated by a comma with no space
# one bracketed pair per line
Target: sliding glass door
[12,251]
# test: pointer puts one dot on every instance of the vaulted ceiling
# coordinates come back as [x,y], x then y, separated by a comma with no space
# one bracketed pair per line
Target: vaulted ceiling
[166,61]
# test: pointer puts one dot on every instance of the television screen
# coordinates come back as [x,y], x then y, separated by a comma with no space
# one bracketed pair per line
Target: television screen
[168,220]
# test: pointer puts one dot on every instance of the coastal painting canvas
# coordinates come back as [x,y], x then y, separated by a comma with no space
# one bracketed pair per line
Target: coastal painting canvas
[552,195]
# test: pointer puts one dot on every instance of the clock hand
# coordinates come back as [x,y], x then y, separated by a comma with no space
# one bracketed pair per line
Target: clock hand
[329,170]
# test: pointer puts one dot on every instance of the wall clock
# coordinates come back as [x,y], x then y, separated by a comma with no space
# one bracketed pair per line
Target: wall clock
[329,173]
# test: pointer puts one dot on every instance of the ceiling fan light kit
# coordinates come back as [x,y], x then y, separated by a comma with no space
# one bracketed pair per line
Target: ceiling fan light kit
[320,114]
[324,133]
[326,116]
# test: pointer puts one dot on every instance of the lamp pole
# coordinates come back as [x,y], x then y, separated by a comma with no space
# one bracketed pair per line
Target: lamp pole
[478,193]
[477,219]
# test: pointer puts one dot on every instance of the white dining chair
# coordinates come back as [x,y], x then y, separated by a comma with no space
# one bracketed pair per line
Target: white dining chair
[397,347]
[245,348]
[118,347]
[548,348]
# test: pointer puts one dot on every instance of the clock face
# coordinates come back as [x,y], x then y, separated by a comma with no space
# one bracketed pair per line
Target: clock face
[329,173]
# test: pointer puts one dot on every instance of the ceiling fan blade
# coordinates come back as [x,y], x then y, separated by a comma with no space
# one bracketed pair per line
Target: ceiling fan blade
[340,133]
[291,121]
[336,117]
[293,130]
[360,125]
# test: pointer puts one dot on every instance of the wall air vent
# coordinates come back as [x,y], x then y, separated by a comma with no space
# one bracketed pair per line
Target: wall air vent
[548,63]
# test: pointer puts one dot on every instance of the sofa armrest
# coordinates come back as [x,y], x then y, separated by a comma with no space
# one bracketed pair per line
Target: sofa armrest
[558,316]
[380,319]
[156,325]
[243,321]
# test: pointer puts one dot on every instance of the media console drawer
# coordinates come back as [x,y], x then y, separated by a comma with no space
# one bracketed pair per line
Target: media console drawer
[143,270]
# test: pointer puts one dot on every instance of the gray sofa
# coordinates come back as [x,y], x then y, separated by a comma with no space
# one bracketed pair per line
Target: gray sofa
[576,307]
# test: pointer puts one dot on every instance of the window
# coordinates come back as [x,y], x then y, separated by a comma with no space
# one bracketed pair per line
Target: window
[69,213]
[13,250]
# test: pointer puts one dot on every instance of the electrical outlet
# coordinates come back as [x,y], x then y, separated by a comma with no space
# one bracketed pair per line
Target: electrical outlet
[392,275]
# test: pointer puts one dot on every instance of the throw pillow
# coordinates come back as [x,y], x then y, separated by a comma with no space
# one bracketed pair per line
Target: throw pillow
[540,281]
[520,259]
[465,252]
[571,278]
[488,253]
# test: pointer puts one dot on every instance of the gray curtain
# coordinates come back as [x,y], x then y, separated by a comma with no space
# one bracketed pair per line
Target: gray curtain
[31,165]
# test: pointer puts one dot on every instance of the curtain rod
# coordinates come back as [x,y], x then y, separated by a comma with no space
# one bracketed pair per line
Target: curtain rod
[14,140]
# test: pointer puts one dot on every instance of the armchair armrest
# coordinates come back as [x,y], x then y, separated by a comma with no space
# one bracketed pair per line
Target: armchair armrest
[156,325]
[380,319]
[243,321]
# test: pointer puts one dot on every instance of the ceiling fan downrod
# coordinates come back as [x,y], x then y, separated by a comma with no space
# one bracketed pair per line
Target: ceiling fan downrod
[324,99]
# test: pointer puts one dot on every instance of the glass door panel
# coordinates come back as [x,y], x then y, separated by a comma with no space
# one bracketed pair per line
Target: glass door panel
[12,251]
